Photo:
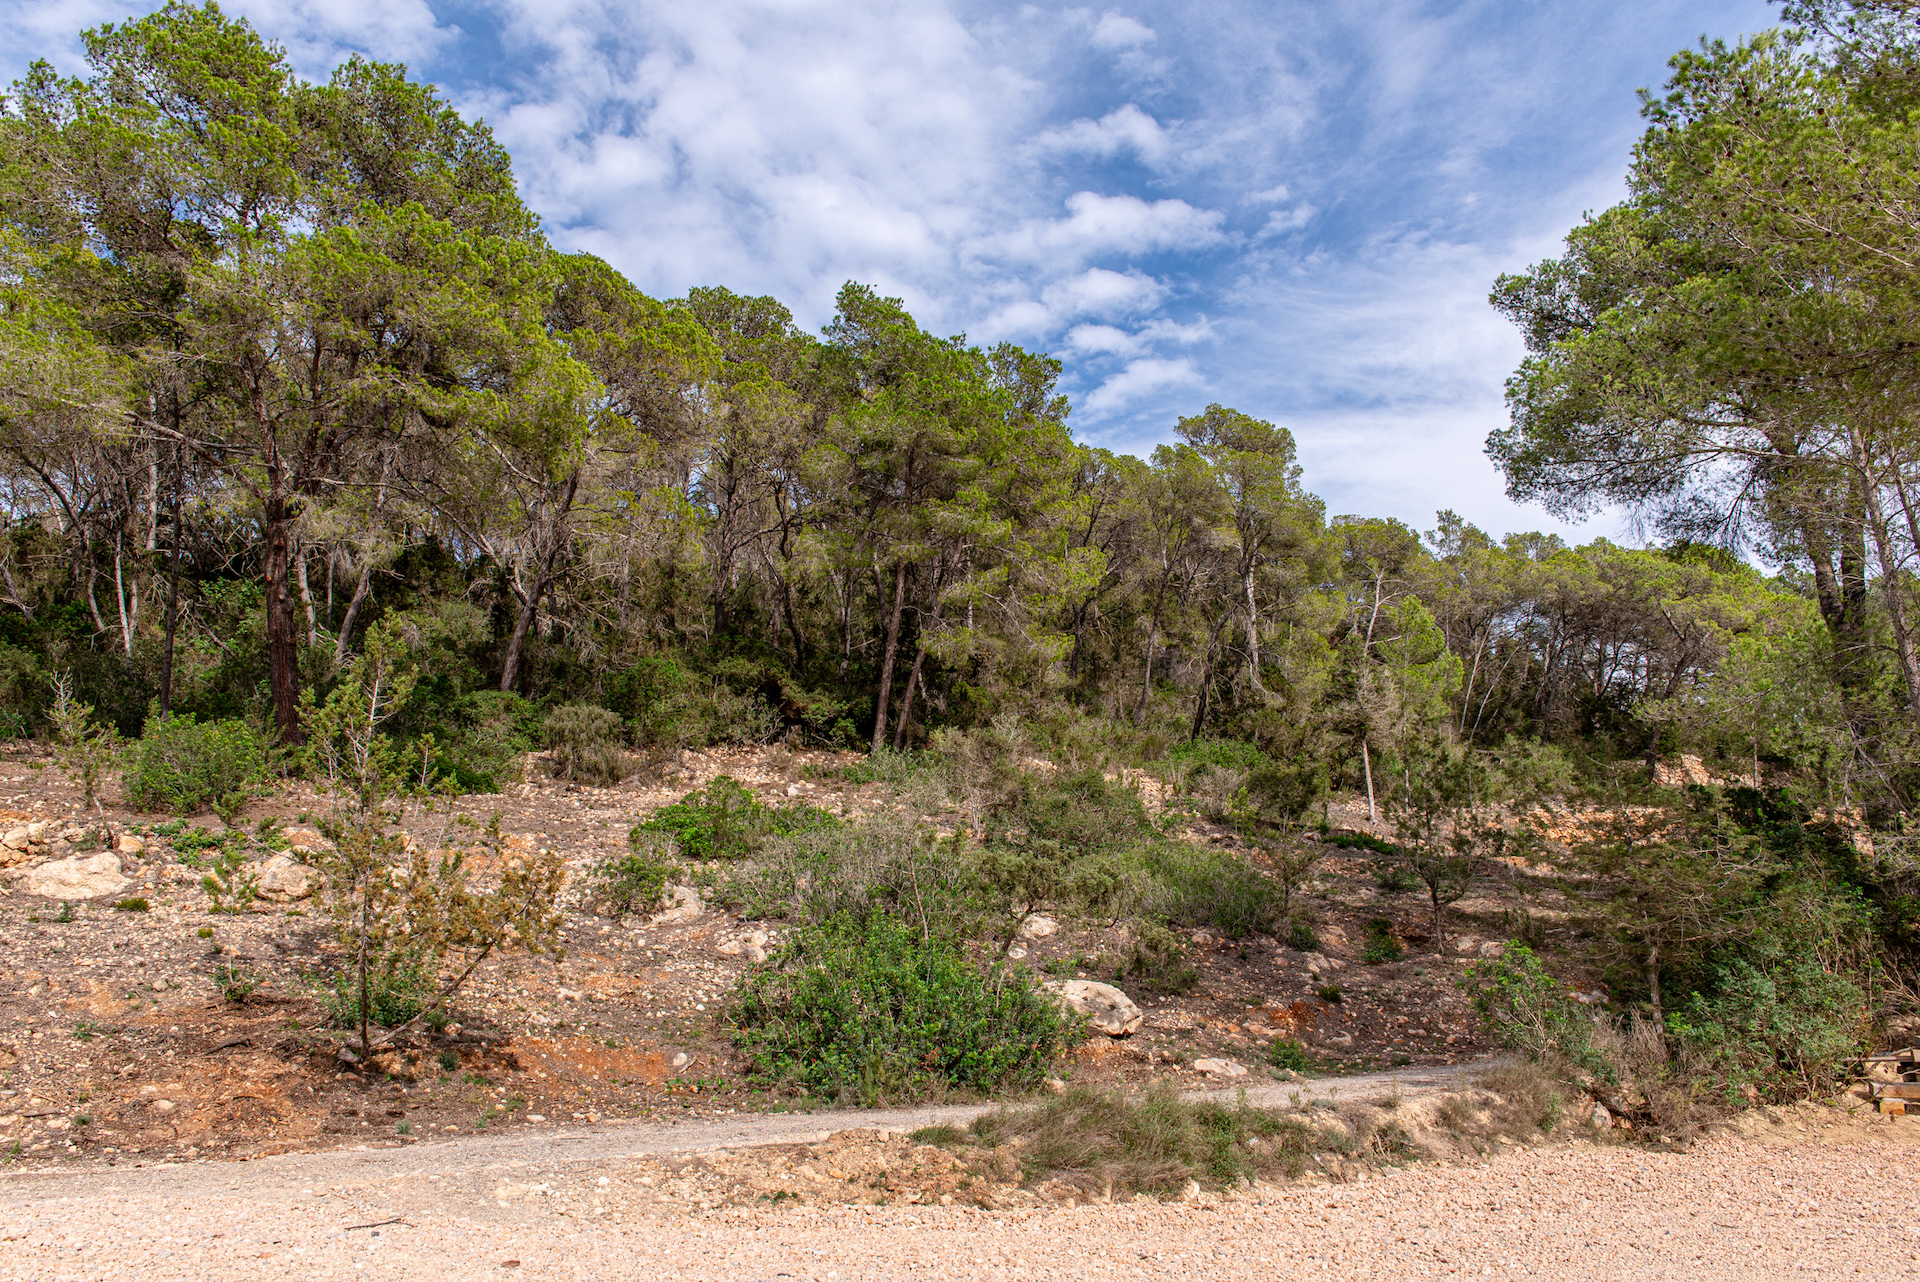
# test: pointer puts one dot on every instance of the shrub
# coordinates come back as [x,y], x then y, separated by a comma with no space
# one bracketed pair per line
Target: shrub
[1215,890]
[1157,961]
[896,769]
[726,821]
[1394,877]
[1152,1143]
[134,905]
[1301,936]
[1380,945]
[586,743]
[878,863]
[395,995]
[1774,1021]
[83,751]
[1528,1010]
[187,766]
[623,885]
[1288,1055]
[874,1008]
[236,981]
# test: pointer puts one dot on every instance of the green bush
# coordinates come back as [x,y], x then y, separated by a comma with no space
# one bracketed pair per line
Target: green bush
[1216,891]
[1394,877]
[875,1008]
[133,905]
[726,821]
[1225,754]
[1380,945]
[186,766]
[586,743]
[1773,1020]
[1528,1010]
[1288,1055]
[394,996]
[623,885]
[877,863]
[1157,961]
[1301,936]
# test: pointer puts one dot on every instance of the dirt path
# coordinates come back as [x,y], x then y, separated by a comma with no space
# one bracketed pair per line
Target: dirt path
[1799,1201]
[1811,1193]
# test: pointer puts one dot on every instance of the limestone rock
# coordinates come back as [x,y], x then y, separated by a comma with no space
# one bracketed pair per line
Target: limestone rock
[17,838]
[128,844]
[1601,1118]
[1039,927]
[1493,949]
[1220,1068]
[306,839]
[684,905]
[1106,1007]
[284,880]
[81,877]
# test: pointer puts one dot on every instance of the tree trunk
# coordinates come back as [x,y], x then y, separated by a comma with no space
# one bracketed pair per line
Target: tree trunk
[893,649]
[344,640]
[1366,764]
[283,654]
[517,643]
[173,596]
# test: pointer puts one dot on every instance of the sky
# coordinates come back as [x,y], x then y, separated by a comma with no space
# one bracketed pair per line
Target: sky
[1294,208]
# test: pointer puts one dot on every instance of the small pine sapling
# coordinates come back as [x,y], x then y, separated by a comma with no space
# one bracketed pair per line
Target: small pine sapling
[83,751]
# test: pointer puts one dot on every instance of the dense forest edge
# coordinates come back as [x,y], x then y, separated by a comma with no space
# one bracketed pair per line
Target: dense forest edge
[317,458]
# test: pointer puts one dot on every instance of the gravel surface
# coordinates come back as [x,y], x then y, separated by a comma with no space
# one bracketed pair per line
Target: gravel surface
[1811,1193]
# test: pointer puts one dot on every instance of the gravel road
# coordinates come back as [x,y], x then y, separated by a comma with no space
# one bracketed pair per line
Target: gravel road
[1814,1193]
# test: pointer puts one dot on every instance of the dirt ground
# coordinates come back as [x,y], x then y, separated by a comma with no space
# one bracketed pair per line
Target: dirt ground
[1808,1192]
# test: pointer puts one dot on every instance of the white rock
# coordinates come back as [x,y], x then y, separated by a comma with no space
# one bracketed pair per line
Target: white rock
[1016,951]
[17,838]
[306,839]
[1106,1007]
[1466,944]
[72,834]
[1039,927]
[1201,938]
[1493,948]
[1220,1068]
[1601,1118]
[128,844]
[685,906]
[81,877]
[756,939]
[680,1060]
[37,830]
[284,879]
[731,948]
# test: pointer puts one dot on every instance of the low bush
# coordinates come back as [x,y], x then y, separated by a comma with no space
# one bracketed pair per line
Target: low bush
[1301,936]
[1380,945]
[1157,961]
[586,743]
[1394,877]
[1773,1022]
[1115,1145]
[726,821]
[1288,1055]
[1528,1010]
[895,769]
[625,884]
[395,995]
[873,1008]
[134,905]
[186,766]
[1214,890]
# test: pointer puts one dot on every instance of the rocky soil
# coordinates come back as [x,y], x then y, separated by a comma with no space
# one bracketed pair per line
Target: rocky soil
[130,1035]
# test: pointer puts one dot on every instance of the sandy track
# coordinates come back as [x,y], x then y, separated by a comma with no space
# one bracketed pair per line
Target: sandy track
[1801,1199]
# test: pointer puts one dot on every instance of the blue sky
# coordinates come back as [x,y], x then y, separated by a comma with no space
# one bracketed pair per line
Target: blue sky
[1292,208]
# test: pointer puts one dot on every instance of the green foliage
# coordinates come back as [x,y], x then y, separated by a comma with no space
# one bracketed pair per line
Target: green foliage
[625,884]
[1394,877]
[586,743]
[726,821]
[395,996]
[185,766]
[1156,960]
[83,751]
[895,769]
[1111,1144]
[1380,945]
[1301,936]
[1528,1010]
[1215,890]
[873,1008]
[1361,841]
[1774,1020]
[132,905]
[1226,754]
[236,981]
[1289,1055]
[231,882]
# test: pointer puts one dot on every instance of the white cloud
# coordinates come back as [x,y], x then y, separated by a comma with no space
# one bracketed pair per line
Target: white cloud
[1138,379]
[1119,130]
[1117,31]
[1097,225]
